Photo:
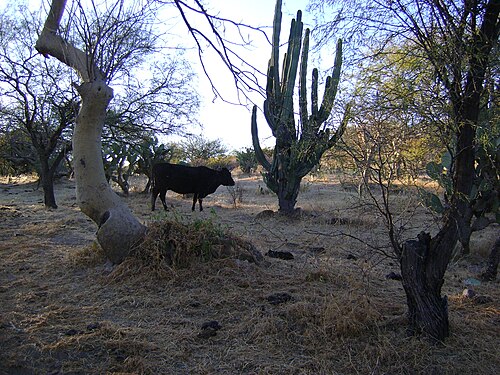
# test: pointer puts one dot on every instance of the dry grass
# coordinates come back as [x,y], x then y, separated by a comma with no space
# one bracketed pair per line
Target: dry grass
[64,311]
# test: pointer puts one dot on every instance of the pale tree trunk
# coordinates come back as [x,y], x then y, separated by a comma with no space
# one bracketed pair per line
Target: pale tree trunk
[118,228]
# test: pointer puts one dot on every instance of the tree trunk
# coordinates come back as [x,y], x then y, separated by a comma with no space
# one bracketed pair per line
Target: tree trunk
[122,181]
[49,197]
[287,195]
[118,229]
[47,182]
[423,265]
[491,271]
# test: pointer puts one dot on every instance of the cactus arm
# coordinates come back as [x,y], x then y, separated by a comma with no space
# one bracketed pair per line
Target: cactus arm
[314,94]
[313,149]
[289,55]
[331,86]
[303,82]
[270,117]
[273,71]
[259,154]
[290,68]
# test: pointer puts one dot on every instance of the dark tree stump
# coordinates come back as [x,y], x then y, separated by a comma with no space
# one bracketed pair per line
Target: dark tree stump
[491,271]
[427,310]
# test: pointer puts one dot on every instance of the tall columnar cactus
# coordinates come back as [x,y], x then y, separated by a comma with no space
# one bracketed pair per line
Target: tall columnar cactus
[300,146]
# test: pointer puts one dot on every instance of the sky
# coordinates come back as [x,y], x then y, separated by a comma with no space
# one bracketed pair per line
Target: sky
[221,120]
[231,123]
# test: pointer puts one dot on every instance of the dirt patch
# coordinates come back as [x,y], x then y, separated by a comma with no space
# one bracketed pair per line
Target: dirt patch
[328,310]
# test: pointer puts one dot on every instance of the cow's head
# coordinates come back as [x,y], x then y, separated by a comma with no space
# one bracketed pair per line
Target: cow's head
[225,177]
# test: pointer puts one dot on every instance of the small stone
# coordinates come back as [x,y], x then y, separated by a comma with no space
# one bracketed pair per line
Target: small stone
[393,276]
[285,255]
[93,326]
[73,332]
[277,298]
[207,333]
[481,300]
[209,329]
[352,257]
[468,293]
[213,324]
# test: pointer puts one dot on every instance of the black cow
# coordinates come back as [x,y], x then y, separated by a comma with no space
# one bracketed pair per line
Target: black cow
[184,180]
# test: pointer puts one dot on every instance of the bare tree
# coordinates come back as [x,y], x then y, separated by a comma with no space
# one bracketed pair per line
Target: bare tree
[390,133]
[37,99]
[197,149]
[457,40]
[118,229]
[226,39]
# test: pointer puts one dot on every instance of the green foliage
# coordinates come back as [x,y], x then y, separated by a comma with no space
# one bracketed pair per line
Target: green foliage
[486,189]
[484,196]
[16,154]
[431,201]
[395,107]
[246,160]
[205,247]
[218,162]
[179,242]
[441,172]
[119,161]
[175,154]
[197,149]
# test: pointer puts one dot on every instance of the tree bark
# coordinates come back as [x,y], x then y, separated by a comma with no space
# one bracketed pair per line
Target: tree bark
[118,229]
[47,179]
[491,271]
[47,172]
[423,265]
[288,190]
[424,262]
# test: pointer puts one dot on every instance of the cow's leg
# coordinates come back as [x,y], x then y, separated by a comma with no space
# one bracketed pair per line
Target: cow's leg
[201,205]
[154,195]
[195,197]
[163,193]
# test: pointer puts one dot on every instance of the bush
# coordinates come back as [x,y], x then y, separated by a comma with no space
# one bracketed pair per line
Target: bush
[218,162]
[16,154]
[246,160]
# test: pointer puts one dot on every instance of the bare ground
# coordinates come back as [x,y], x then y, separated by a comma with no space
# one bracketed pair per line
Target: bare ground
[330,310]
